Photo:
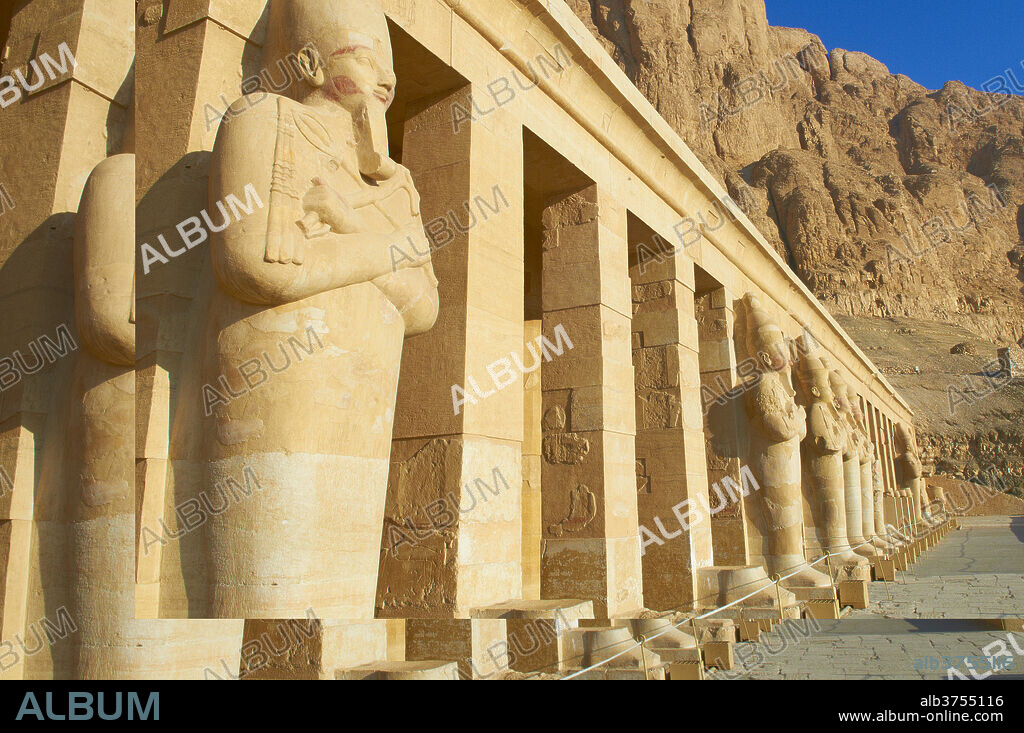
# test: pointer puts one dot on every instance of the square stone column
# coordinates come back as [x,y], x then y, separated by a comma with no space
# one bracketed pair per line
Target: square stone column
[533,521]
[452,536]
[875,426]
[672,481]
[890,447]
[724,423]
[589,498]
[183,50]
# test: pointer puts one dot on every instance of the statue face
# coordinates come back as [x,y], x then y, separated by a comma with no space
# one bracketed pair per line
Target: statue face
[854,401]
[839,392]
[821,388]
[358,75]
[775,353]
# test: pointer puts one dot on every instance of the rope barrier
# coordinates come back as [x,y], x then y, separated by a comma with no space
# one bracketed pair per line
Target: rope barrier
[776,582]
[694,619]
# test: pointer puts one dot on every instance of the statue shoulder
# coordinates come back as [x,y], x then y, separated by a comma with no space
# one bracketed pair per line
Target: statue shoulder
[254,114]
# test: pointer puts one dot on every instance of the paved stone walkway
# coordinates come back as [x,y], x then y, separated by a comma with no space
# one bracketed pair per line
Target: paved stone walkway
[976,572]
[878,649]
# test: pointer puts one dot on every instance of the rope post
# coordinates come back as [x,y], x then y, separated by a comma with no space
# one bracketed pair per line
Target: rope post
[777,579]
[886,582]
[832,580]
[643,655]
[700,654]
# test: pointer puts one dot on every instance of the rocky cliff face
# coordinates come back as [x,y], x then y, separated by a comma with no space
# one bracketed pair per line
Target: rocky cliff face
[888,199]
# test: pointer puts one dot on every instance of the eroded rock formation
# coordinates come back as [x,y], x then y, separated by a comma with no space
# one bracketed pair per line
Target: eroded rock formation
[888,199]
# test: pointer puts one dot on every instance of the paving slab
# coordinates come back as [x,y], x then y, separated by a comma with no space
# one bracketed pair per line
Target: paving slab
[975,572]
[881,649]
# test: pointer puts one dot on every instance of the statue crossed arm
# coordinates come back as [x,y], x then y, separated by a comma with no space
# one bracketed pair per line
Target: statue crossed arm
[350,251]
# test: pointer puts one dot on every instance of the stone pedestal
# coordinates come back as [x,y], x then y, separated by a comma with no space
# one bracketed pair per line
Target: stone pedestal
[719,586]
[853,593]
[536,632]
[404,671]
[480,646]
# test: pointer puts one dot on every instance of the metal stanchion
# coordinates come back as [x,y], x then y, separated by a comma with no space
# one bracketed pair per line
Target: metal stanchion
[643,655]
[777,579]
[700,653]
[832,581]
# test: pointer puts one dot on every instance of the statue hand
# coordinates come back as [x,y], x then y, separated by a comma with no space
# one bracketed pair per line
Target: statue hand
[332,209]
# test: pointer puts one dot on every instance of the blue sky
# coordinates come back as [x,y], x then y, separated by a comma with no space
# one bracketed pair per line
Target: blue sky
[931,41]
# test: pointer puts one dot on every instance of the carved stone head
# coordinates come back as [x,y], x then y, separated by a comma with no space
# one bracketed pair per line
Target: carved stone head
[337,55]
[854,399]
[342,47]
[838,385]
[814,375]
[765,340]
[905,439]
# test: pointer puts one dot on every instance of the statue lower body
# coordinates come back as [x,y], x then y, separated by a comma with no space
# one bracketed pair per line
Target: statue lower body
[101,538]
[826,473]
[782,513]
[915,499]
[854,509]
[881,527]
[867,494]
[298,454]
[108,642]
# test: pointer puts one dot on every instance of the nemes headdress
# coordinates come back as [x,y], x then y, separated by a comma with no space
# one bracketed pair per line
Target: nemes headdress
[836,381]
[762,331]
[325,25]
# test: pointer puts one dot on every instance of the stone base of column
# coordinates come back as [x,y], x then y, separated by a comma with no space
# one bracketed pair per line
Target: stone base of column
[589,646]
[599,568]
[821,608]
[884,568]
[312,649]
[720,585]
[479,646]
[428,670]
[853,593]
[536,631]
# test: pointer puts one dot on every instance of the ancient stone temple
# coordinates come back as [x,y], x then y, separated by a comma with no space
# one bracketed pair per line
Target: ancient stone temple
[438,340]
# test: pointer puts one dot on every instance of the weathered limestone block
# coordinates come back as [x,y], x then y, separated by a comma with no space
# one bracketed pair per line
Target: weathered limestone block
[478,645]
[536,632]
[589,508]
[315,649]
[310,269]
[778,425]
[672,491]
[1011,362]
[475,502]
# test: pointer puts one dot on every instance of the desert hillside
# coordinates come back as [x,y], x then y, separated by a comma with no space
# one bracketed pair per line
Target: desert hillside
[890,200]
